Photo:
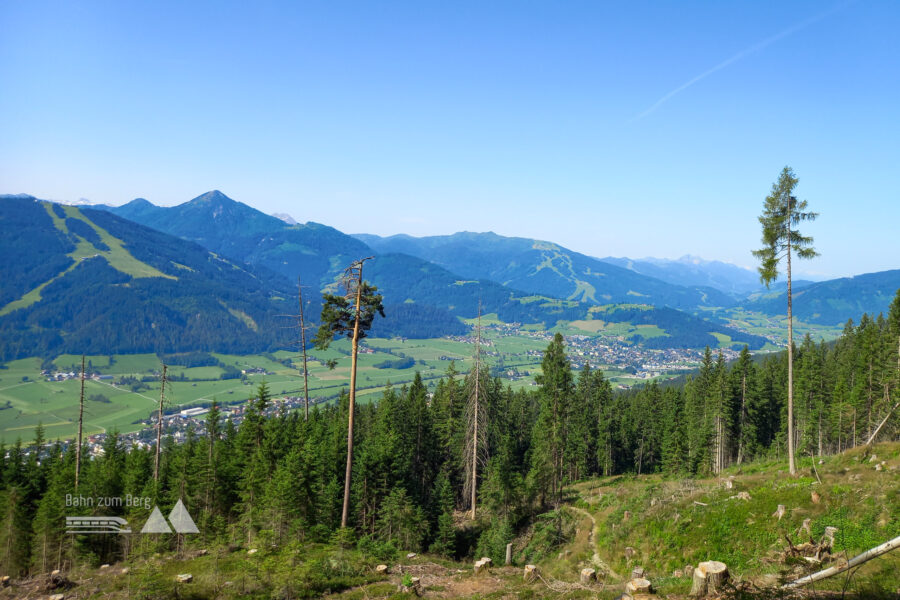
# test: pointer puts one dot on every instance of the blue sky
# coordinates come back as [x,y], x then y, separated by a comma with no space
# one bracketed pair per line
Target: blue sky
[626,129]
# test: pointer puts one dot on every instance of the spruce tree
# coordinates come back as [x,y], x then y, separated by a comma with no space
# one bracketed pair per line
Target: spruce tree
[782,211]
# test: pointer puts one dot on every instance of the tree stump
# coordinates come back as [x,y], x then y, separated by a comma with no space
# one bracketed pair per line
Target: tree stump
[709,578]
[638,585]
[688,570]
[779,512]
[678,573]
[483,564]
[629,552]
[185,578]
[815,497]
[381,569]
[637,573]
[531,573]
[828,538]
[807,527]
[743,496]
[588,576]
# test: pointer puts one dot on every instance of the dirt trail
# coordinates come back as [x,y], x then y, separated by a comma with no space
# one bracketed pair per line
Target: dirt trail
[592,540]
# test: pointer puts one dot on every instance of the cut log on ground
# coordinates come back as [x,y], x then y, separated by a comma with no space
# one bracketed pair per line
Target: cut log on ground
[639,586]
[710,577]
[840,568]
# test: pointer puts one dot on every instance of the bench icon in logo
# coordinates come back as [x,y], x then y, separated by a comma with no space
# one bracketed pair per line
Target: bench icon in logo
[179,517]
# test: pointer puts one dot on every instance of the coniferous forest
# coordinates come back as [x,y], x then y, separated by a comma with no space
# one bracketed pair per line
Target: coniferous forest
[279,479]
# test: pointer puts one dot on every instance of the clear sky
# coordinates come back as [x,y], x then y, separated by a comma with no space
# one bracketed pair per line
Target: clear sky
[626,129]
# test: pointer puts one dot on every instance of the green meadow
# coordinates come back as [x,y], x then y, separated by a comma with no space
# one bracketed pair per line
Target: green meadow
[27,399]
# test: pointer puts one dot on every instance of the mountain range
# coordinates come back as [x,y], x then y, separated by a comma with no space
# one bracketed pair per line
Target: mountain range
[214,273]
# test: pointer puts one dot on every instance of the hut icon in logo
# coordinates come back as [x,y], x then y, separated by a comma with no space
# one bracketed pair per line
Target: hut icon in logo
[179,517]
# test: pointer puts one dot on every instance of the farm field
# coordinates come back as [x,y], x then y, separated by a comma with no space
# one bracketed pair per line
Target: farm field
[773,328]
[27,398]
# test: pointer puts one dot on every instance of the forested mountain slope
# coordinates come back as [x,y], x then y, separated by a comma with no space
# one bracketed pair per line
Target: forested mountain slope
[81,280]
[835,301]
[316,253]
[541,267]
[422,298]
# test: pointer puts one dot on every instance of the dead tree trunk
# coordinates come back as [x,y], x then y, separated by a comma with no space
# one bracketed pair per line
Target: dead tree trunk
[792,466]
[740,452]
[159,420]
[885,420]
[345,511]
[845,566]
[303,348]
[80,421]
[475,423]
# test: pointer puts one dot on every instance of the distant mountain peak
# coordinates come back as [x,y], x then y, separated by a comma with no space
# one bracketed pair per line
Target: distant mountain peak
[139,203]
[213,196]
[285,217]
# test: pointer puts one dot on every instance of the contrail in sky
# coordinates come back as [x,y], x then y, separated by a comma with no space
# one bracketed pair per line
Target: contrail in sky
[740,55]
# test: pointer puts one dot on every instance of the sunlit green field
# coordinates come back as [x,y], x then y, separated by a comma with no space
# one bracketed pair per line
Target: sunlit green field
[30,399]
[26,399]
[772,327]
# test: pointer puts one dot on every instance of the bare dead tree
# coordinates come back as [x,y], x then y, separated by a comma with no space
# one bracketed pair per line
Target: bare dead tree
[476,423]
[159,420]
[301,342]
[80,421]
[303,348]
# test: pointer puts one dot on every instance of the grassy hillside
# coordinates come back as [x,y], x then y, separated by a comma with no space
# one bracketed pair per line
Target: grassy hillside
[674,523]
[670,523]
[86,280]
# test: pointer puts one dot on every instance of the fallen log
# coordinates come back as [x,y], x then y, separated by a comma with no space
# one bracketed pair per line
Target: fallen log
[840,568]
[875,433]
